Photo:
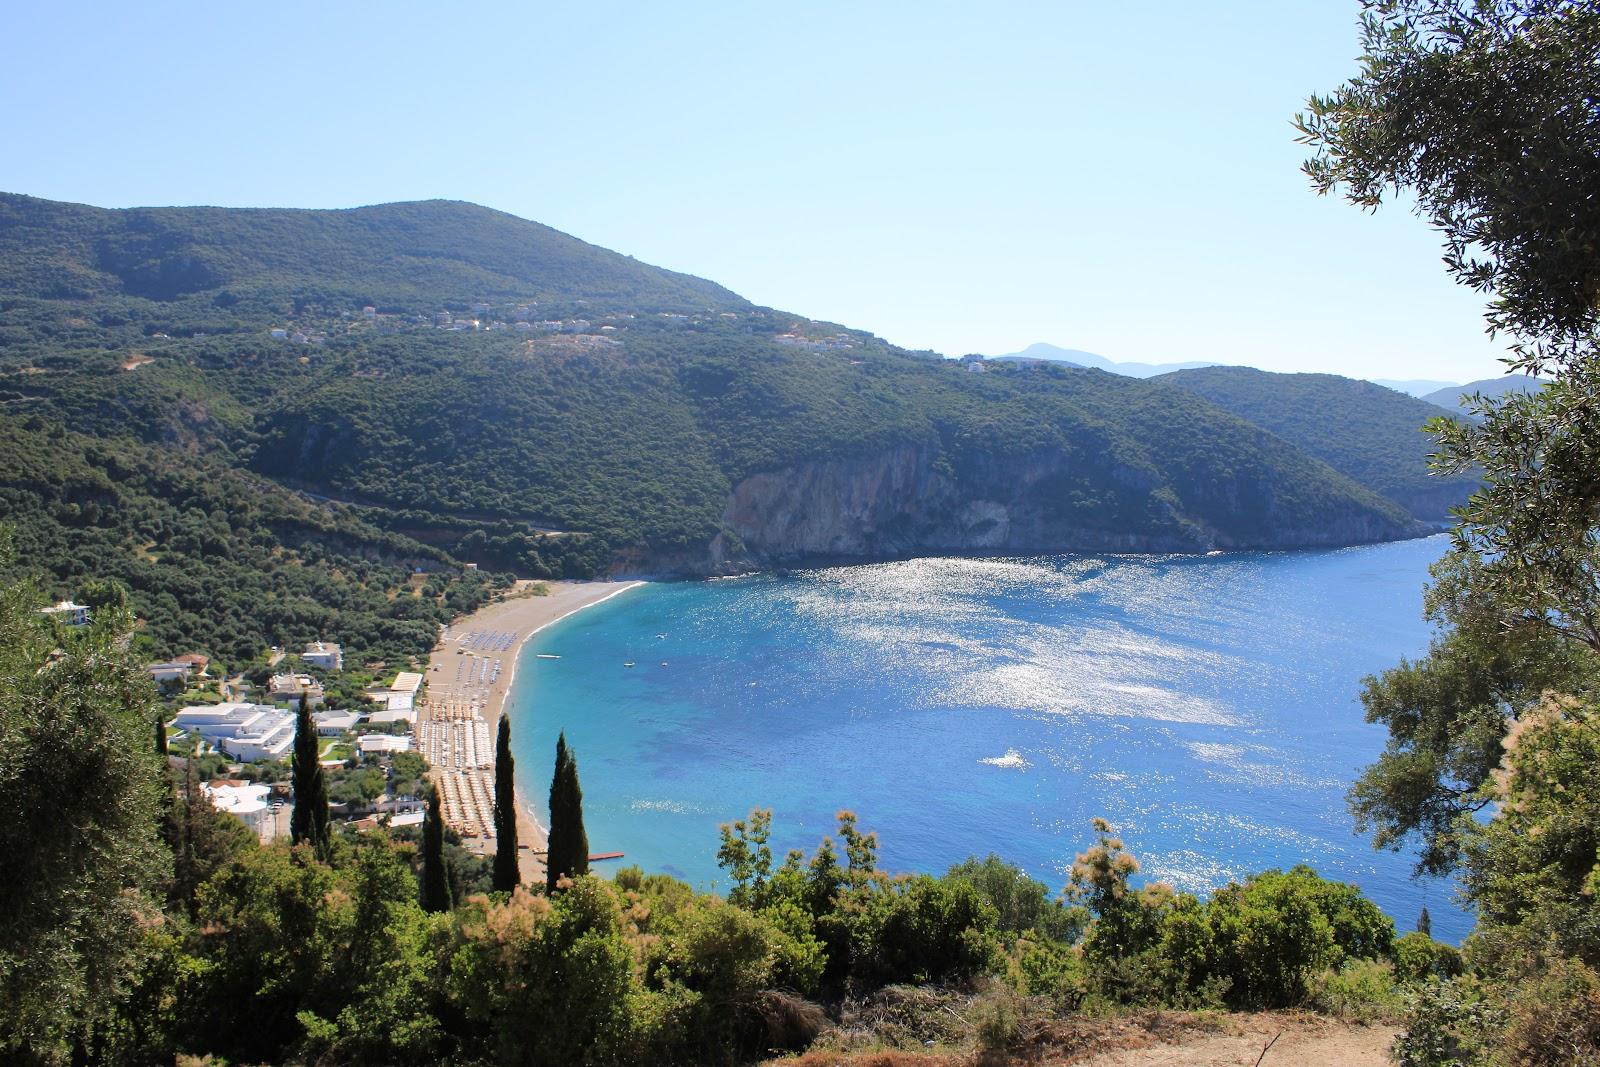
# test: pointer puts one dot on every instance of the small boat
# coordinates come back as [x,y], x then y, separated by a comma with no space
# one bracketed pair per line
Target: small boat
[661,637]
[545,655]
[628,664]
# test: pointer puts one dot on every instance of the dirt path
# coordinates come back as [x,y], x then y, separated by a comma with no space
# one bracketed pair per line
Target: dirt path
[1302,1042]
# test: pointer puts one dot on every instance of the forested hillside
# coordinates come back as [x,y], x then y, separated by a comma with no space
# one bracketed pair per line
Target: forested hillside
[453,368]
[214,559]
[1366,432]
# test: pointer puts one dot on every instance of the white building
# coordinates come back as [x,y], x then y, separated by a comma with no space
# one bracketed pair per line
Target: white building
[324,654]
[247,732]
[334,723]
[246,800]
[168,673]
[370,743]
[400,694]
[386,718]
[68,612]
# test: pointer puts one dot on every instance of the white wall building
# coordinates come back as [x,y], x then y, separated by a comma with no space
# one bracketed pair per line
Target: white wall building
[334,723]
[324,654]
[248,801]
[167,673]
[68,612]
[247,732]
[370,743]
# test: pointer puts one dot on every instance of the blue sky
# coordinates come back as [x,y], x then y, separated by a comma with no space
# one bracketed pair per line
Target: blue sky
[956,176]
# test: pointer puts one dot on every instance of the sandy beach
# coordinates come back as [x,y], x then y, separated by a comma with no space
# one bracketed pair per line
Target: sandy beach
[471,671]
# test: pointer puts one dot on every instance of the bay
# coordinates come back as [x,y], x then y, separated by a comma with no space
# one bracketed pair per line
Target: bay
[1206,706]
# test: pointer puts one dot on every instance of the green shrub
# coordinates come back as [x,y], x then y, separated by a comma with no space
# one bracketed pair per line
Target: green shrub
[1447,1024]
[921,929]
[1051,970]
[1418,957]
[1362,991]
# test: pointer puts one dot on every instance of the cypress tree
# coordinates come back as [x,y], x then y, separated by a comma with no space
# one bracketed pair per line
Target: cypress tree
[161,737]
[435,879]
[310,819]
[1425,922]
[506,875]
[569,844]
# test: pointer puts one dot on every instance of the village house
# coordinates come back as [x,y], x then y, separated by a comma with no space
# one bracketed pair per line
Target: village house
[179,670]
[249,802]
[324,654]
[334,723]
[294,690]
[68,612]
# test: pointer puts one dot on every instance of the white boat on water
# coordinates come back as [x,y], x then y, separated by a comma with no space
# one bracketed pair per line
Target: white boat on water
[545,655]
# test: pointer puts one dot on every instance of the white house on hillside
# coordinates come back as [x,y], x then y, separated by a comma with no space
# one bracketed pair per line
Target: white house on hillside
[68,612]
[247,732]
[324,654]
[246,800]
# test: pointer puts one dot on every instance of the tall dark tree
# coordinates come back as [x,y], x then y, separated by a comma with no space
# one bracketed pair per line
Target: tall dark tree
[202,840]
[435,878]
[309,822]
[1425,922]
[568,856]
[506,874]
[161,736]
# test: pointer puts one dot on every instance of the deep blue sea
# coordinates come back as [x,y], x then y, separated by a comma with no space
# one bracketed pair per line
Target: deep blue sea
[1205,705]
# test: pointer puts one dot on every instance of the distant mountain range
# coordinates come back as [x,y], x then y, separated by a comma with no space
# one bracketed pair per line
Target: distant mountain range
[1073,357]
[1419,387]
[1441,393]
[1494,388]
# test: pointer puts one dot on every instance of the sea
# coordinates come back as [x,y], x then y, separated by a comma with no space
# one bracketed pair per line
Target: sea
[1207,706]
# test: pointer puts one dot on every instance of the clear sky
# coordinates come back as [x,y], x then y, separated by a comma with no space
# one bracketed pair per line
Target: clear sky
[966,177]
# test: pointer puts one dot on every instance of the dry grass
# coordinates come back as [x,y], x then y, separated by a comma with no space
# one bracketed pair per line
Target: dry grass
[906,1026]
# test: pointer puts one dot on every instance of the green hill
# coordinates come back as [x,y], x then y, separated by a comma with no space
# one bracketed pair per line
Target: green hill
[428,254]
[1368,433]
[653,421]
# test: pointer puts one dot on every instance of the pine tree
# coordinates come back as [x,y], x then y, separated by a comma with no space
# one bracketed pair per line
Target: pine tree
[1425,922]
[568,855]
[435,879]
[506,875]
[309,823]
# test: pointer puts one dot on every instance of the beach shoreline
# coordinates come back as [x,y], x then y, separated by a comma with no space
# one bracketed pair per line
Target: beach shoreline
[520,615]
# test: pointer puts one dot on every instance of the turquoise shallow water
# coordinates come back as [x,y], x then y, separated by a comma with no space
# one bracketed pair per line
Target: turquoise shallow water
[1206,706]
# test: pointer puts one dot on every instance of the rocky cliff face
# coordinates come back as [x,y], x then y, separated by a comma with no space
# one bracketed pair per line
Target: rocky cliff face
[909,500]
